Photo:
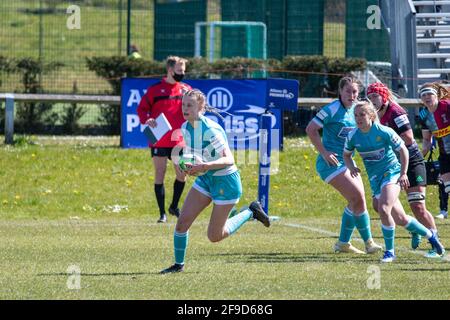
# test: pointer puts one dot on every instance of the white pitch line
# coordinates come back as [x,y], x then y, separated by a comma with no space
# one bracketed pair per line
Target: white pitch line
[333,234]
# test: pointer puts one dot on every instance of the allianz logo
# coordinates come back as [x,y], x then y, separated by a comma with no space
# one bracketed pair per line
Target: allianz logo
[220,98]
[278,93]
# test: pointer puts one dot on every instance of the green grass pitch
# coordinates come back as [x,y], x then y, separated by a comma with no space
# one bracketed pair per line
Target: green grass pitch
[89,204]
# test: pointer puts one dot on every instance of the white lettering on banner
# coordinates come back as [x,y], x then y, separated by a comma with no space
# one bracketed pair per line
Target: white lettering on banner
[132,122]
[278,93]
[135,97]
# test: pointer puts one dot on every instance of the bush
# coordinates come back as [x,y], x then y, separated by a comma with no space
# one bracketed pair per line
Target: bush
[231,68]
[6,66]
[113,69]
[31,116]
[328,72]
[295,67]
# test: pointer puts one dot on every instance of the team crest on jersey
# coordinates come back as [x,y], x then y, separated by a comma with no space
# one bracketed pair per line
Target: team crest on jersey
[344,132]
[378,139]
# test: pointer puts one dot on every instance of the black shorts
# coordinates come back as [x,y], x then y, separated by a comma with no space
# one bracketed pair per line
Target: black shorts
[417,174]
[163,152]
[444,163]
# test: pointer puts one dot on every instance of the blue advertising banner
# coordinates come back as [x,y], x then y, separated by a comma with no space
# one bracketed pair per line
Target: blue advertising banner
[241,103]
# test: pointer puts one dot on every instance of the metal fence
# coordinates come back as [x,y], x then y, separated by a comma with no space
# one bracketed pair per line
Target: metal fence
[67,32]
[294,121]
[47,31]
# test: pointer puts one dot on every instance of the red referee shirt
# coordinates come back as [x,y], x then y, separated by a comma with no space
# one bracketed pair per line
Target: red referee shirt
[164,97]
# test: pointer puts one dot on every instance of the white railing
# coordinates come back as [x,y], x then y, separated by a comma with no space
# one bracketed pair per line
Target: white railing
[10,99]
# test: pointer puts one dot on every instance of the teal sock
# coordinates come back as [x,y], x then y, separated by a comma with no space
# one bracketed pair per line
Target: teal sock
[347,226]
[415,226]
[389,237]
[235,222]
[362,222]
[180,242]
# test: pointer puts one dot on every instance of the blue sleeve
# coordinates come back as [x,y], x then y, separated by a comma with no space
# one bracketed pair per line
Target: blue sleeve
[393,139]
[423,118]
[217,139]
[349,143]
[322,117]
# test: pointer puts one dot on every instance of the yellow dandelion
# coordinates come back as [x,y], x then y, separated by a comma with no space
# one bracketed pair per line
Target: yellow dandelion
[276,187]
[129,183]
[5,202]
[47,192]
[33,155]
[76,192]
[305,156]
[307,167]
[17,197]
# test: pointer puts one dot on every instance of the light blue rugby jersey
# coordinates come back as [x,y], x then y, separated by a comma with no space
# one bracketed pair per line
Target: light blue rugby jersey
[376,148]
[206,141]
[336,122]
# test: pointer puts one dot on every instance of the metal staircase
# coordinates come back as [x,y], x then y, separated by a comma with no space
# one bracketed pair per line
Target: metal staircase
[433,40]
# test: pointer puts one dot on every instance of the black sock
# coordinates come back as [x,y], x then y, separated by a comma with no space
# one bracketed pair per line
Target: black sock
[160,193]
[178,187]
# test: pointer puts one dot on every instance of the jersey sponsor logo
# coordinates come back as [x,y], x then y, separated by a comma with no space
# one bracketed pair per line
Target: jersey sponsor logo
[217,142]
[401,121]
[442,132]
[376,155]
[344,132]
[396,139]
[321,115]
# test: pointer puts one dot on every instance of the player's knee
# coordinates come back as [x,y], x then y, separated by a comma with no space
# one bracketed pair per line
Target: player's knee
[214,236]
[418,208]
[384,209]
[357,203]
[181,226]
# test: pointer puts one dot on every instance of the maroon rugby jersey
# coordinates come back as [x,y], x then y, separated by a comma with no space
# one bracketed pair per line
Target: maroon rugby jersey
[396,118]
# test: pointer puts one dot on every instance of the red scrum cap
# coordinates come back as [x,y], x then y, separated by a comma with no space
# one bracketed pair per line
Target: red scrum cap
[379,88]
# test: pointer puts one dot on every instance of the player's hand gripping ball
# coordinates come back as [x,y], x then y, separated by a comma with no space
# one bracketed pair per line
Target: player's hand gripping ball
[187,161]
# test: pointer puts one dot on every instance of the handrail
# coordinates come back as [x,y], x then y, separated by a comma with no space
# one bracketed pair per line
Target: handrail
[10,98]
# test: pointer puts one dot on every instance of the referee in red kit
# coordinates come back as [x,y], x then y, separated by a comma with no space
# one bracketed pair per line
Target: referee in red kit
[165,97]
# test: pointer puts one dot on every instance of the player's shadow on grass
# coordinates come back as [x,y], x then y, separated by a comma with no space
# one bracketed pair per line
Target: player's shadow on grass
[294,258]
[106,274]
[427,270]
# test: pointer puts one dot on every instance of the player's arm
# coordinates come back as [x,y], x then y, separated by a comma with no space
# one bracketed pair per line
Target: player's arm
[408,137]
[200,166]
[348,160]
[404,161]
[143,110]
[312,130]
[426,144]
[218,144]
[404,128]
[226,160]
[396,142]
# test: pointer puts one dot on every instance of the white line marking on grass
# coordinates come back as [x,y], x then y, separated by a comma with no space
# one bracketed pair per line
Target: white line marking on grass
[333,234]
